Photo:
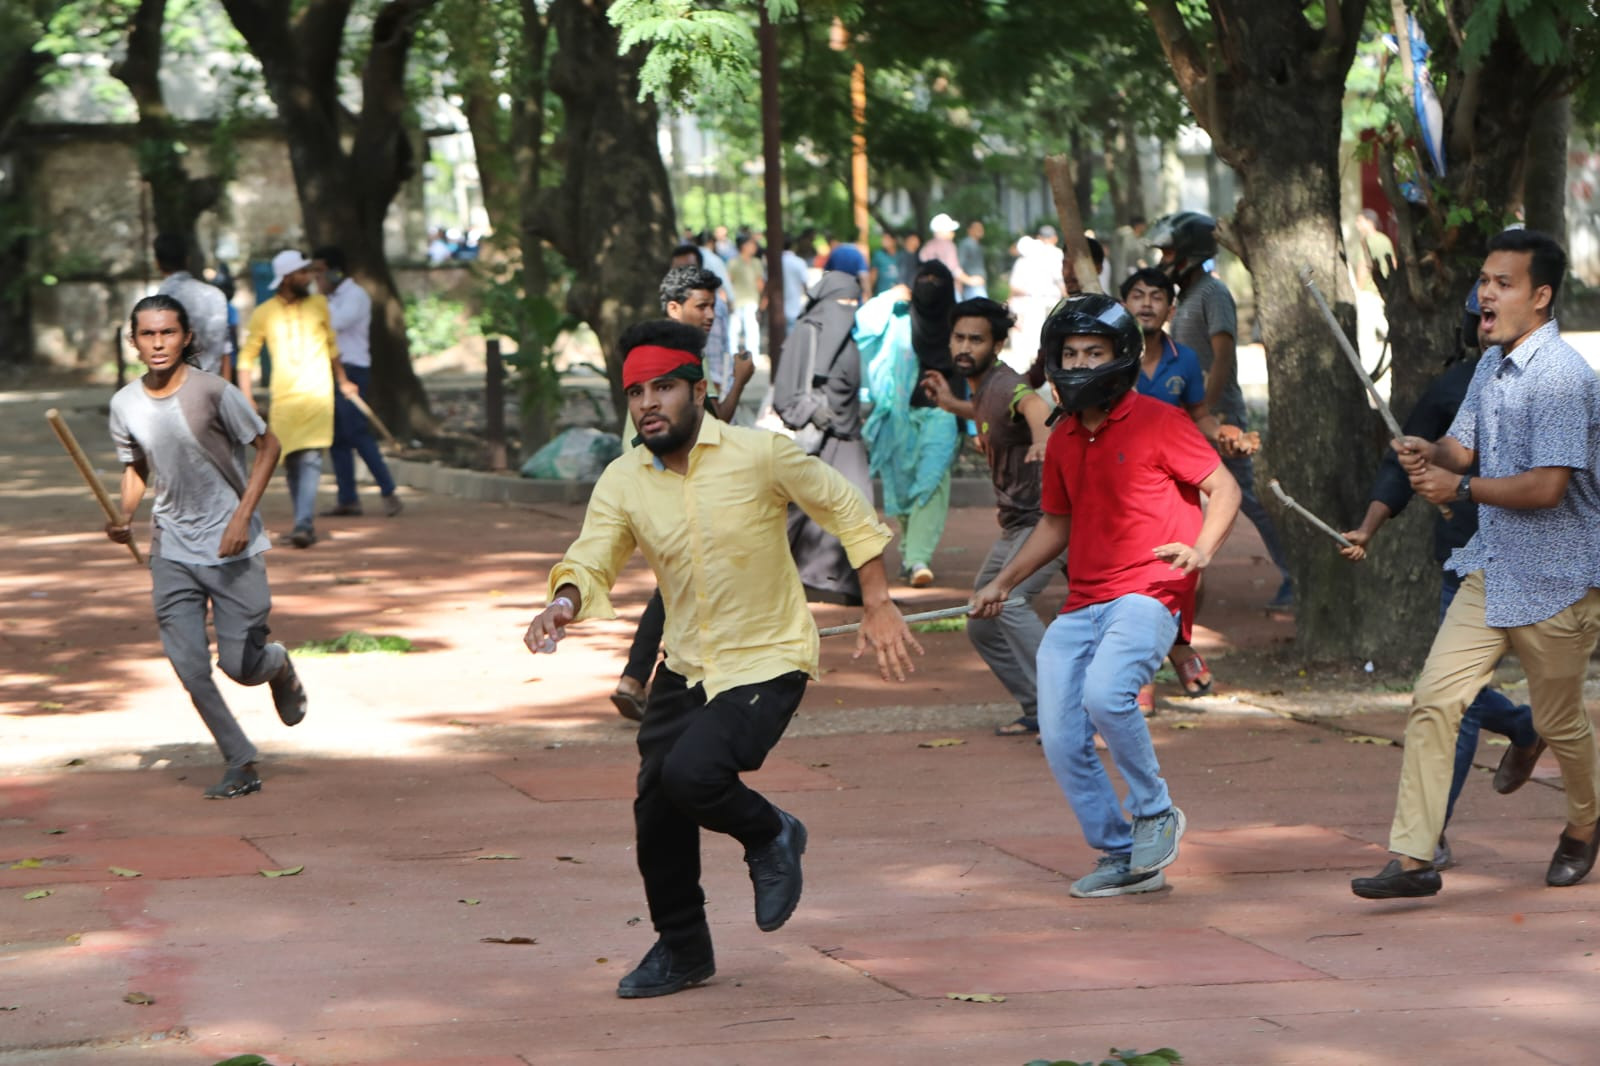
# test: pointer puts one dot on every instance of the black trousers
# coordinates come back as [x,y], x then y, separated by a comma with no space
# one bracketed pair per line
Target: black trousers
[646,647]
[691,753]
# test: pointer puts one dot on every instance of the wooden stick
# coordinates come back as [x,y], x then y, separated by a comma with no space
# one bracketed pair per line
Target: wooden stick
[69,442]
[925,616]
[1361,371]
[372,416]
[1288,501]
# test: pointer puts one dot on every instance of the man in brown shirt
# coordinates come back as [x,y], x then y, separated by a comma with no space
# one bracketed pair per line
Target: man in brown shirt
[1012,431]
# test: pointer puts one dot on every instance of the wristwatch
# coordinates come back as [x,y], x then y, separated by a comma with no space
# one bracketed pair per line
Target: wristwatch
[1464,489]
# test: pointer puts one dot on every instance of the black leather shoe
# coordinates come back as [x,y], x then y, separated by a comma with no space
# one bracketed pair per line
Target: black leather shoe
[1394,883]
[775,872]
[1516,766]
[1572,861]
[665,971]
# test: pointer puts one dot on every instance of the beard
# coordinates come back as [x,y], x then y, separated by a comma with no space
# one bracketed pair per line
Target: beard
[679,431]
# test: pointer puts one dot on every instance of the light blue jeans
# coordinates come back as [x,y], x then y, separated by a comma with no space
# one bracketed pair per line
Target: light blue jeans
[1091,665]
[303,469]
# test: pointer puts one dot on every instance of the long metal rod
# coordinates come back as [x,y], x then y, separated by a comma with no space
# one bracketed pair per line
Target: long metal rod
[1361,371]
[1289,502]
[924,616]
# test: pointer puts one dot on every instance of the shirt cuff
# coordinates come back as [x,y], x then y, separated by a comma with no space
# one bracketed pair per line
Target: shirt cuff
[866,543]
[594,597]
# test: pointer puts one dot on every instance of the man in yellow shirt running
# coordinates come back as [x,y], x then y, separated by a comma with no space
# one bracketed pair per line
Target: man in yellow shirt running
[295,327]
[707,503]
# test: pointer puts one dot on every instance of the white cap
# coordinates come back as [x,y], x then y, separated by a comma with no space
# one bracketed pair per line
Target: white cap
[286,263]
[943,223]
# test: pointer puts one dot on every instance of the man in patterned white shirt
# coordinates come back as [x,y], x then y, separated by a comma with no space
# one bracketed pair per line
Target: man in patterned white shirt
[1531,419]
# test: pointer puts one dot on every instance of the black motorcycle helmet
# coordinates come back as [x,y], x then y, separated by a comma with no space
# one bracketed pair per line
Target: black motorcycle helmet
[1191,235]
[1093,315]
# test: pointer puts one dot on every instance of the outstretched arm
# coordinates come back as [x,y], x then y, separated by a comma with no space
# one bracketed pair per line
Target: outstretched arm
[1047,541]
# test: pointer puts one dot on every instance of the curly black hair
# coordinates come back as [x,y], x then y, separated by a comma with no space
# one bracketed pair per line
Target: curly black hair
[664,332]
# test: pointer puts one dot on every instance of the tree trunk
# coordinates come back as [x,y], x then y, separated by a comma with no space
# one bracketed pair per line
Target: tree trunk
[177,199]
[22,66]
[1325,452]
[1270,95]
[612,217]
[772,189]
[1544,182]
[1074,243]
[345,194]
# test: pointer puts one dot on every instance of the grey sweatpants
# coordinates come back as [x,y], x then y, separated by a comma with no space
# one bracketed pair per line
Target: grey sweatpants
[1010,643]
[240,599]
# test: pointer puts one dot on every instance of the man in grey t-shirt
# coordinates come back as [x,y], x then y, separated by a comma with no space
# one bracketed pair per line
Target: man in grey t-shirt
[185,432]
[206,306]
[1207,321]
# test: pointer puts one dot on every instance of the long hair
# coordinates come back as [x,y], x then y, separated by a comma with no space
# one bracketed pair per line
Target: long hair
[163,302]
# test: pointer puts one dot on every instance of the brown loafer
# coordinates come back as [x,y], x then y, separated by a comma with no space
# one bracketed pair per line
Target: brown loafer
[1572,861]
[1516,766]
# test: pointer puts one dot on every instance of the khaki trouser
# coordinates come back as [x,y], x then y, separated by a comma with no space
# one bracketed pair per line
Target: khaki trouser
[1555,654]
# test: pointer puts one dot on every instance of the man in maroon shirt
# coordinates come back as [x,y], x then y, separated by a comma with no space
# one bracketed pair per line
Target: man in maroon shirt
[1132,470]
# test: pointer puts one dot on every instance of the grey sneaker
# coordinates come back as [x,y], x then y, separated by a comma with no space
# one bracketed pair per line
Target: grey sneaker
[1111,878]
[288,694]
[1155,841]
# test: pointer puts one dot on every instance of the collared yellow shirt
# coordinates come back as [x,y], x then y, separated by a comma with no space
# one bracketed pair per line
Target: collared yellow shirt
[300,337]
[717,539]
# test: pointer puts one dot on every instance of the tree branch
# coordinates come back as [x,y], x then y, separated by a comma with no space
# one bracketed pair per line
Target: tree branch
[318,33]
[383,97]
[140,67]
[1184,56]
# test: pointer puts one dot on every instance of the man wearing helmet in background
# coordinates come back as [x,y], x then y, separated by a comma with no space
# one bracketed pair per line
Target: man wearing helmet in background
[1131,470]
[1207,321]
[1391,491]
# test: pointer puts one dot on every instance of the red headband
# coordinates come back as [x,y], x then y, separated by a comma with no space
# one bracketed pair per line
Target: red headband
[650,361]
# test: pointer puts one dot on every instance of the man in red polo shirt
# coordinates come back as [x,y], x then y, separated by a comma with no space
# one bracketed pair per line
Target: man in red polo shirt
[1132,470]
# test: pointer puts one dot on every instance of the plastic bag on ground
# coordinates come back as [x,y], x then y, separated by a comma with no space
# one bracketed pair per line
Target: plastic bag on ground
[578,454]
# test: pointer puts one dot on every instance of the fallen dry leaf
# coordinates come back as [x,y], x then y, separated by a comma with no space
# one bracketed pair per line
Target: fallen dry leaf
[601,961]
[139,999]
[1184,725]
[74,938]
[27,864]
[124,872]
[291,871]
[569,858]
[1364,739]
[51,705]
[9,1006]
[942,742]
[73,762]
[976,997]
[54,832]
[507,940]
[470,902]
[497,855]
[39,893]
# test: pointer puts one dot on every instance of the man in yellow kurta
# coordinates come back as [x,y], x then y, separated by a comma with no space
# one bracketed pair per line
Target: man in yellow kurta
[295,327]
[707,503]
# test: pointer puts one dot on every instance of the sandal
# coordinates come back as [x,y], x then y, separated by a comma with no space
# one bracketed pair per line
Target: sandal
[1193,674]
[628,705]
[1147,700]
[1028,723]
